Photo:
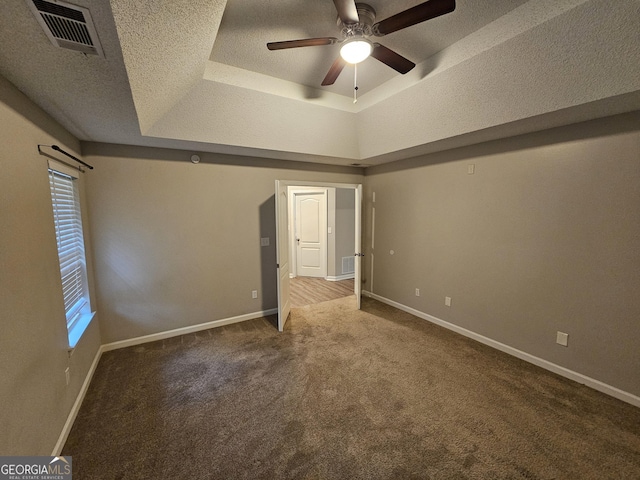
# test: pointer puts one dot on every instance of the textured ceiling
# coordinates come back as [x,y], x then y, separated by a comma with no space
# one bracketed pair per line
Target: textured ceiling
[247,25]
[196,75]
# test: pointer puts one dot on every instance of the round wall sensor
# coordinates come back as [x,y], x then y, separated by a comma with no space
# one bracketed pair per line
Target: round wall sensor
[195,159]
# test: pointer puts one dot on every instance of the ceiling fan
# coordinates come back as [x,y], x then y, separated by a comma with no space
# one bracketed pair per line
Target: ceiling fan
[356,21]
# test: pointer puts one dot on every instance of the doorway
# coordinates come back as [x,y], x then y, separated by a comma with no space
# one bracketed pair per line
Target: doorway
[285,242]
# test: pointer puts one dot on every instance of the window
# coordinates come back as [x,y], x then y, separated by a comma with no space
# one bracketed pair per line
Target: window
[70,241]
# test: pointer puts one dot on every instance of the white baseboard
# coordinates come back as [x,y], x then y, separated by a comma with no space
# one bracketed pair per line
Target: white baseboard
[137,341]
[76,406]
[552,367]
[337,278]
[185,330]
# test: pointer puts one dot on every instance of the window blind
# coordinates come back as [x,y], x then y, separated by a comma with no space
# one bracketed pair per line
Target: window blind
[70,241]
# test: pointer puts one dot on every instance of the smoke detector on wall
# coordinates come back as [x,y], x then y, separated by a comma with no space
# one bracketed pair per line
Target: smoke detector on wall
[67,26]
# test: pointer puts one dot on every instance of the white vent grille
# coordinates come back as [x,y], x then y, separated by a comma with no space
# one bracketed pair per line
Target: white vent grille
[67,26]
[347,265]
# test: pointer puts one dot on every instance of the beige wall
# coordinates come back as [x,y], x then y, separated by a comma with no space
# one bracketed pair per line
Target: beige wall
[178,244]
[341,219]
[33,345]
[331,238]
[345,218]
[545,236]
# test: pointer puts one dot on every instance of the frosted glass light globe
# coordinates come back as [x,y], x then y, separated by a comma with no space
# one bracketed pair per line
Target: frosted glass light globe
[355,51]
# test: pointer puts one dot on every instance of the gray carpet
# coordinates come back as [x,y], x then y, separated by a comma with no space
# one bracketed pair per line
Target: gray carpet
[343,394]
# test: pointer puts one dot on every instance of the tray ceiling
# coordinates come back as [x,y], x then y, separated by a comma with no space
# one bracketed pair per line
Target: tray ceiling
[196,75]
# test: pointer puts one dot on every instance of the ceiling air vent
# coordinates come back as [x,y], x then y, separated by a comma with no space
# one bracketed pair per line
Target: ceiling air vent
[67,26]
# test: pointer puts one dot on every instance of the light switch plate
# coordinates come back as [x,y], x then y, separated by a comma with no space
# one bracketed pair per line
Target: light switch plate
[562,339]
[264,242]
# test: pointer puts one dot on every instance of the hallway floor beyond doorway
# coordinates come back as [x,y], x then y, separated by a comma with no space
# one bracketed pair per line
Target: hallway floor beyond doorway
[310,290]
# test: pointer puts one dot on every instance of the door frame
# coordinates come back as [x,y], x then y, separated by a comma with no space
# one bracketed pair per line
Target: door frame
[282,238]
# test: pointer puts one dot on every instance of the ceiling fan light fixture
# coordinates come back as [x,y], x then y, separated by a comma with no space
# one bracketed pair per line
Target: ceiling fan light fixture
[356,50]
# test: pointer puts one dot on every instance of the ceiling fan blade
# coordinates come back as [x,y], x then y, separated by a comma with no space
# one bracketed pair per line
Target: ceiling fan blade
[306,42]
[334,71]
[392,59]
[347,11]
[420,13]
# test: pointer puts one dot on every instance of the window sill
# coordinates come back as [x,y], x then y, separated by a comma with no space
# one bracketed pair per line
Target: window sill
[79,328]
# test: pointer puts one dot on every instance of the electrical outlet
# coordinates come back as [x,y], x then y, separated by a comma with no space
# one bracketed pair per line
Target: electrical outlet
[562,339]
[264,242]
[254,293]
[417,292]
[447,301]
[471,169]
[67,376]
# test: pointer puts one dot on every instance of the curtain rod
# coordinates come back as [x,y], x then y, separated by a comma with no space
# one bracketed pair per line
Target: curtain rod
[57,148]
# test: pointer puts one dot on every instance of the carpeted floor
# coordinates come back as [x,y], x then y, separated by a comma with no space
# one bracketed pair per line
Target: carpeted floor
[343,394]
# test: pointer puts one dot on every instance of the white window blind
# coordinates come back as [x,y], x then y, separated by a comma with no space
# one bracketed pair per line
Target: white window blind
[70,240]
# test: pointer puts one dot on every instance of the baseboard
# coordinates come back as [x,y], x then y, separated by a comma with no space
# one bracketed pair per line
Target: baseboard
[185,330]
[552,367]
[337,278]
[64,434]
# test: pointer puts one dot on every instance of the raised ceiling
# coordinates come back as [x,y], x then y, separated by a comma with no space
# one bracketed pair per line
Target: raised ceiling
[196,75]
[262,22]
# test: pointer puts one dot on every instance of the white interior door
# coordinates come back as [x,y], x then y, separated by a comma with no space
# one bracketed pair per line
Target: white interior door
[311,237]
[357,264]
[282,254]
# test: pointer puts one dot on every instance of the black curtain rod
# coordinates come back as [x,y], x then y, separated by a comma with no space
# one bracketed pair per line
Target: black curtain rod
[57,148]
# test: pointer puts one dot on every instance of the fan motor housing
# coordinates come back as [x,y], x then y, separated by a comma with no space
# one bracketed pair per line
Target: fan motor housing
[366,15]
